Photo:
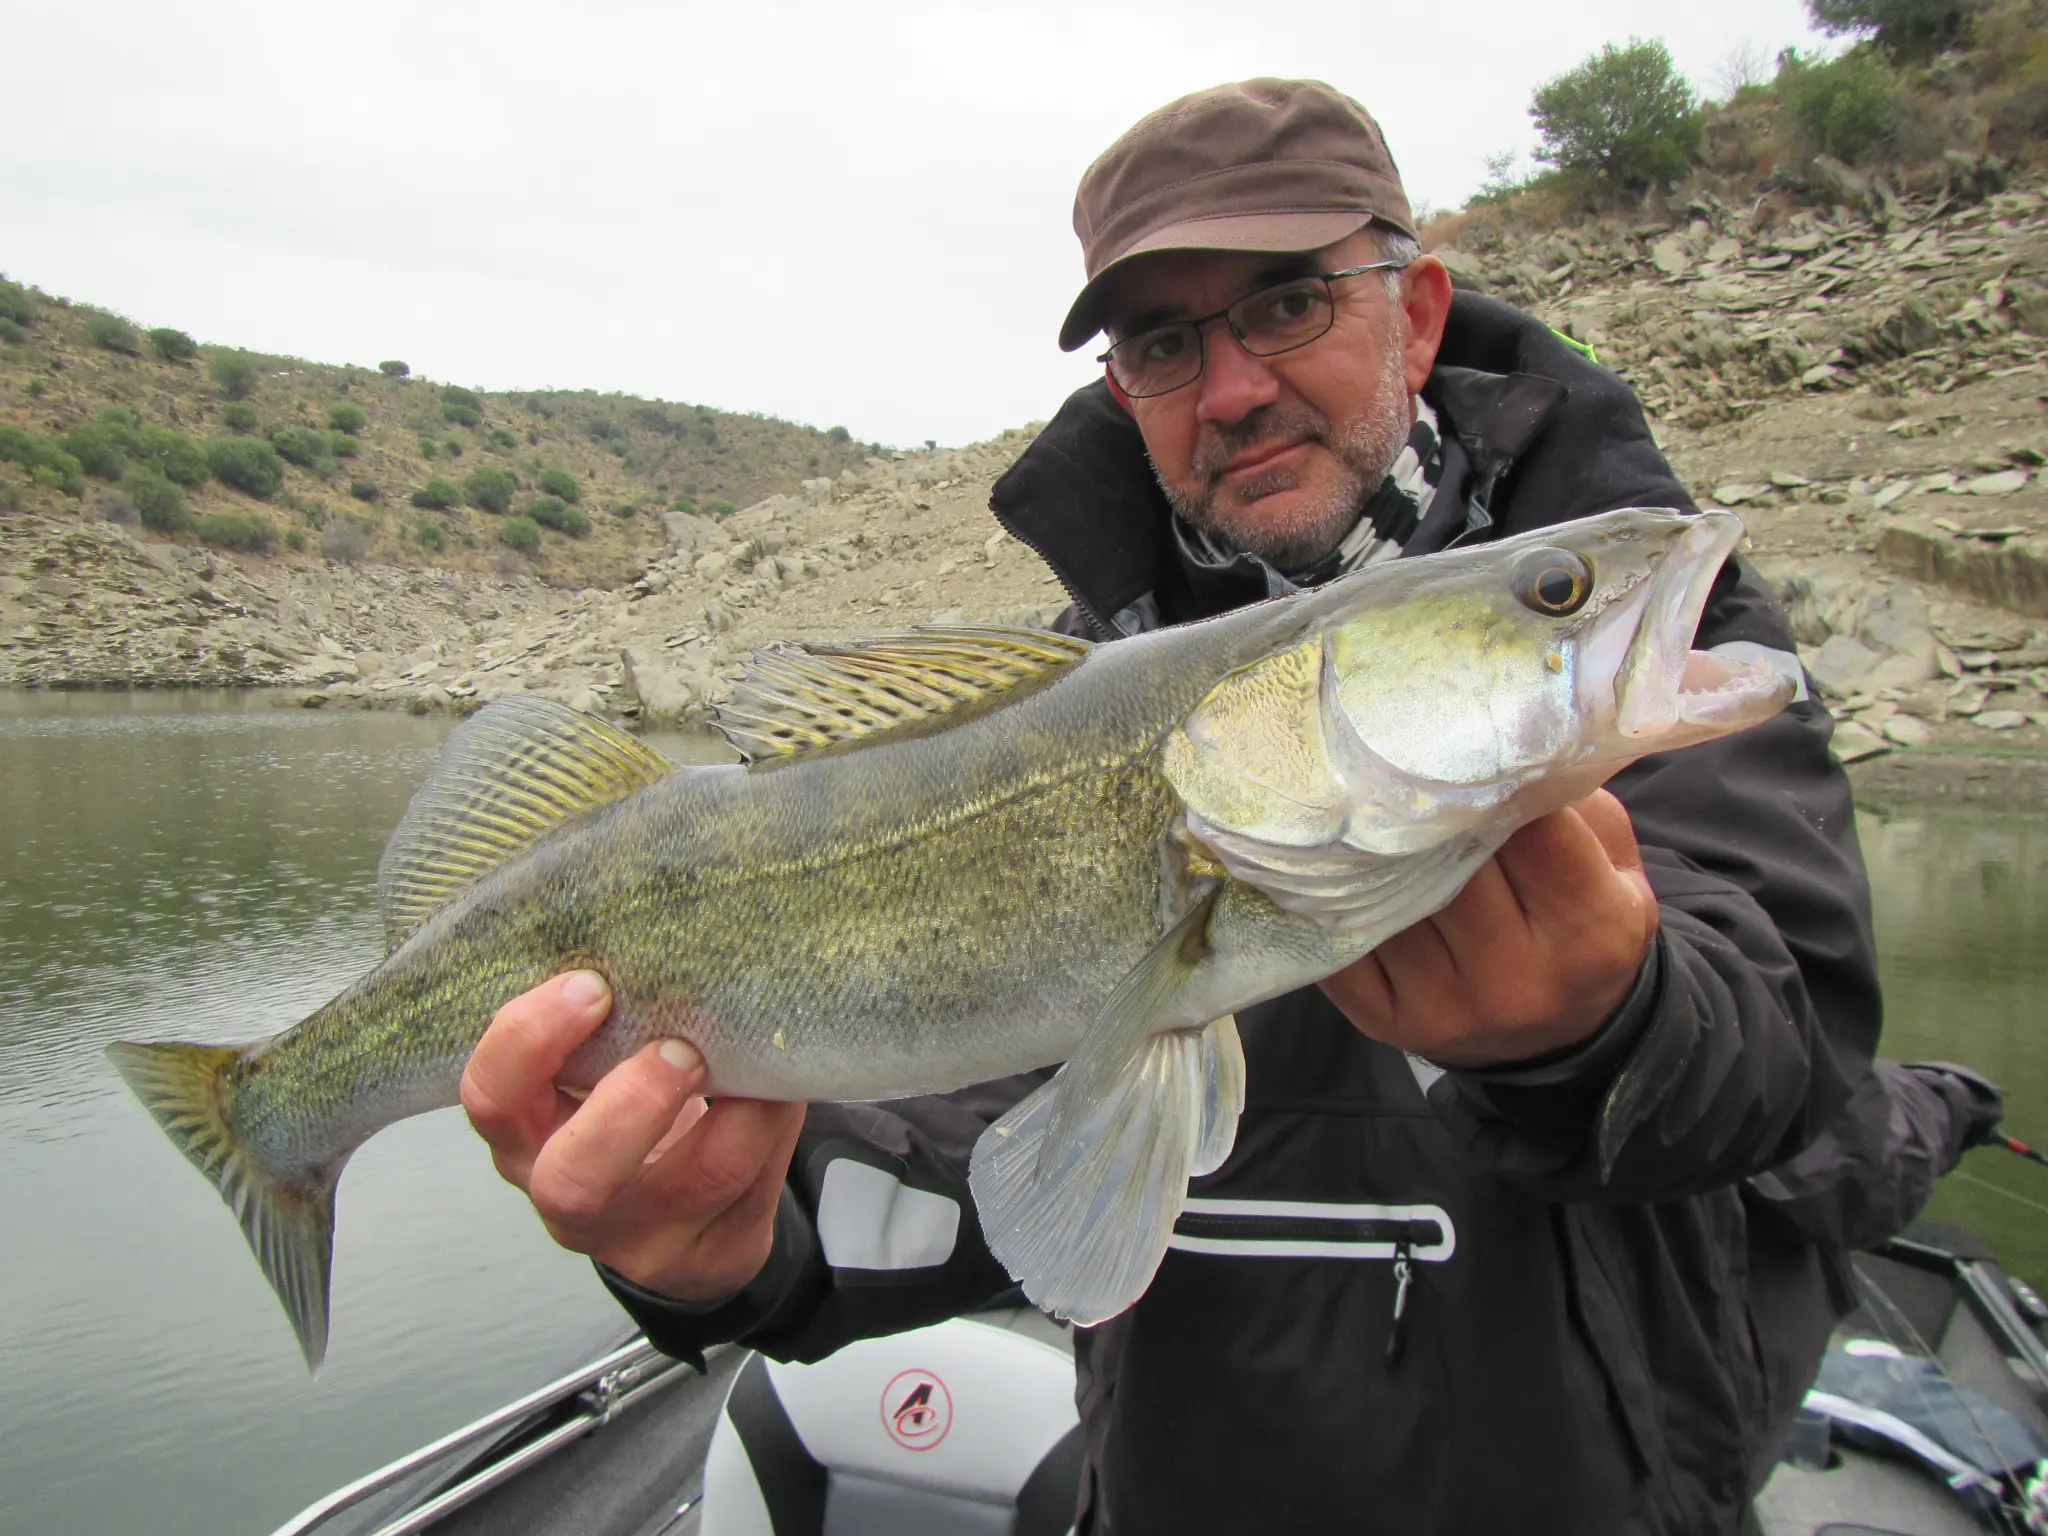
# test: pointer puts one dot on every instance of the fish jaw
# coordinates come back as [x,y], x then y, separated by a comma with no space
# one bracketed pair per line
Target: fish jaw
[1665,693]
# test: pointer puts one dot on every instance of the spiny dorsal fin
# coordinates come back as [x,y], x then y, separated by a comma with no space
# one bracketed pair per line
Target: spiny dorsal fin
[515,770]
[797,698]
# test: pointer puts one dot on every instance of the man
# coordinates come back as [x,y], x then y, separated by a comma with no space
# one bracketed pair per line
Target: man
[1487,1255]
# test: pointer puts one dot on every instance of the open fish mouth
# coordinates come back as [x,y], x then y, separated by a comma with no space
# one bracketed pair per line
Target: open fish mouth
[1664,687]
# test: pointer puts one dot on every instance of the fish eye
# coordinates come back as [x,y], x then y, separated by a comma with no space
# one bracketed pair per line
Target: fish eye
[1553,582]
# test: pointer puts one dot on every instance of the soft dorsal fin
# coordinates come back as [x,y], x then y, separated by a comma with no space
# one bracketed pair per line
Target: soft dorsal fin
[512,772]
[807,697]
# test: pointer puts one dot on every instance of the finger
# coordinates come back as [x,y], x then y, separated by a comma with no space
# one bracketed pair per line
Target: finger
[736,1144]
[1419,969]
[508,1087]
[1554,863]
[1609,822]
[1483,923]
[1362,995]
[687,1117]
[602,1148]
[755,1209]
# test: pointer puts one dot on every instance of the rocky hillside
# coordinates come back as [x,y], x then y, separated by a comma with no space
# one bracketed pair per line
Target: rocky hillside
[306,464]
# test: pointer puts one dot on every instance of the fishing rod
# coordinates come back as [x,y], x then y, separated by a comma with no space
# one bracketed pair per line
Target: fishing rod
[2015,1145]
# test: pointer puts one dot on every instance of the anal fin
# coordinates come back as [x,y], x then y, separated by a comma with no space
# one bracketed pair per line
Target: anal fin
[1083,1232]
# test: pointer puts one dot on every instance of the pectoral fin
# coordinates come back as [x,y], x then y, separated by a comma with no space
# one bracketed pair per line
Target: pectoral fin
[1084,1232]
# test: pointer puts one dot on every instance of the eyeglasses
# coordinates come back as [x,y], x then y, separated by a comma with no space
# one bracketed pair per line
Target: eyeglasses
[1266,323]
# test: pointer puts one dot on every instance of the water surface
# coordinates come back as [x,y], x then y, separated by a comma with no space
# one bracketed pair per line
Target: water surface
[179,866]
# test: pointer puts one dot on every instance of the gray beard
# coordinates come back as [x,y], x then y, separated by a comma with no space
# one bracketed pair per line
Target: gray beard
[1365,451]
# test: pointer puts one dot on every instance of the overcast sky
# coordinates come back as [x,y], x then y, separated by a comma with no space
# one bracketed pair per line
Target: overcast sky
[837,213]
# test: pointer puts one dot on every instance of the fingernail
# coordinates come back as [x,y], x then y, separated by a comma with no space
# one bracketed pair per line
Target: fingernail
[583,989]
[680,1054]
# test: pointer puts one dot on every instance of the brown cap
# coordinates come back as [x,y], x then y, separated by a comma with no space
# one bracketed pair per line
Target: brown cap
[1264,165]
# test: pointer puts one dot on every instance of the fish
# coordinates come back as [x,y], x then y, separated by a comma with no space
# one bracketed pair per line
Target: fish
[958,853]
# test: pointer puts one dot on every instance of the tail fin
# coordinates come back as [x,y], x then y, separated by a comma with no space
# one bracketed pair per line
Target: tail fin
[288,1219]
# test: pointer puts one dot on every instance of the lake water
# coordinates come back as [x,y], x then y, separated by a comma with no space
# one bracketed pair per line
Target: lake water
[203,867]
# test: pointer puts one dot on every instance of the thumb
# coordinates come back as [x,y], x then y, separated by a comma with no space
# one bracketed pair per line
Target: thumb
[1608,821]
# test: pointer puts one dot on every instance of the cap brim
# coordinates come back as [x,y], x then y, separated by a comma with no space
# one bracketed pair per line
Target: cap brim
[1278,232]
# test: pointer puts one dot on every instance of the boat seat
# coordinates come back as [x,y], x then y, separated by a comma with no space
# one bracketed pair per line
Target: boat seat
[962,1429]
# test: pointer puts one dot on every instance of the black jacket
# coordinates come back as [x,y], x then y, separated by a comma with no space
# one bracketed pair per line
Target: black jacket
[1606,1321]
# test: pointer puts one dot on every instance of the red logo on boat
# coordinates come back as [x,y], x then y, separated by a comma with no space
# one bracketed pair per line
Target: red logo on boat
[917,1410]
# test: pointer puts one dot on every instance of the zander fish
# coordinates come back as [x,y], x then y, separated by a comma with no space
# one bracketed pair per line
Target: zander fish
[956,854]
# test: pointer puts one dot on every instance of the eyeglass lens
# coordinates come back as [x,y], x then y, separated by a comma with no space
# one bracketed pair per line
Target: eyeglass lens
[1266,323]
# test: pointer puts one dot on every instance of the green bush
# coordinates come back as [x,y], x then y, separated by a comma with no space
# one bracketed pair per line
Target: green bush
[173,346]
[1625,118]
[238,416]
[392,368]
[428,448]
[491,489]
[246,463]
[718,506]
[363,490]
[102,446]
[347,417]
[158,502]
[348,540]
[237,530]
[522,533]
[1848,107]
[342,446]
[683,504]
[553,512]
[461,415]
[437,494]
[178,458]
[12,331]
[502,439]
[839,434]
[113,333]
[234,374]
[1906,29]
[300,445]
[295,539]
[431,535]
[626,509]
[44,460]
[17,303]
[559,482]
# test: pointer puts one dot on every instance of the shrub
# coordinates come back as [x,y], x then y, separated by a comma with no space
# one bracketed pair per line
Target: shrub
[115,507]
[553,512]
[158,502]
[437,494]
[522,533]
[559,482]
[234,373]
[718,506]
[237,530]
[103,444]
[502,439]
[346,417]
[839,435]
[178,458]
[44,459]
[348,540]
[238,416]
[431,535]
[1847,106]
[491,489]
[246,463]
[113,333]
[1905,29]
[16,303]
[626,509]
[173,346]
[13,332]
[1625,118]
[295,539]
[461,415]
[342,446]
[392,368]
[428,448]
[300,445]
[683,504]
[363,490]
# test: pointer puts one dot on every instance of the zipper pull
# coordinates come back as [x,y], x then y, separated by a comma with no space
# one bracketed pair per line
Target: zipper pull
[1403,1274]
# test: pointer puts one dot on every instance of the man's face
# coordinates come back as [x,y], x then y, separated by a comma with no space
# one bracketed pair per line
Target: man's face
[1276,455]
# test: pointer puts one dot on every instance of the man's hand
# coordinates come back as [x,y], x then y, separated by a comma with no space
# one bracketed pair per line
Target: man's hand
[1531,956]
[642,1175]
